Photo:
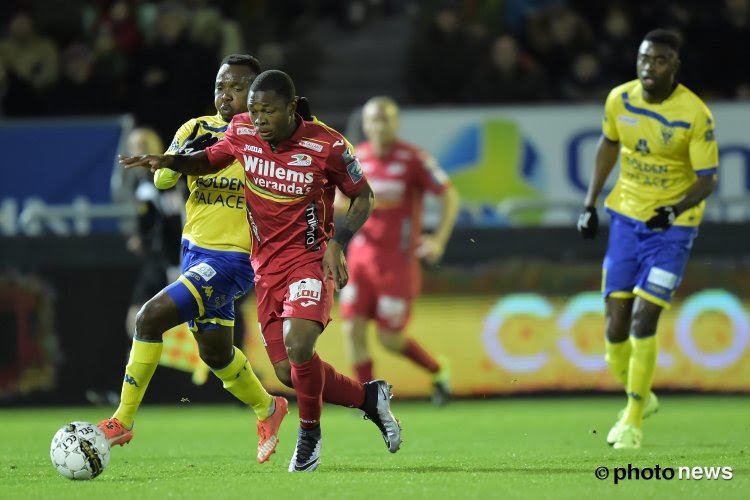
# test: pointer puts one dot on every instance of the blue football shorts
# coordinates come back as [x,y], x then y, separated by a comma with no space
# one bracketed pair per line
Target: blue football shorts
[645,263]
[209,284]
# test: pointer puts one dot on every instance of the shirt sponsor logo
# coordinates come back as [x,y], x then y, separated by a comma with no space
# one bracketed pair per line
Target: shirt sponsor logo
[308,289]
[311,145]
[301,160]
[203,270]
[245,131]
[254,149]
[311,233]
[258,167]
[253,225]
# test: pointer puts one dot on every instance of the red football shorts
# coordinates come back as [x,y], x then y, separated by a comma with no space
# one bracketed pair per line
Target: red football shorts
[300,293]
[385,297]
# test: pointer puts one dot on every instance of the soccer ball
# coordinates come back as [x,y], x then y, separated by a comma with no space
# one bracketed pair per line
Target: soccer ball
[80,450]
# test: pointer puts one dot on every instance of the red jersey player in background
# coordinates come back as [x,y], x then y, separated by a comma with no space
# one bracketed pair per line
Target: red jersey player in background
[292,169]
[383,258]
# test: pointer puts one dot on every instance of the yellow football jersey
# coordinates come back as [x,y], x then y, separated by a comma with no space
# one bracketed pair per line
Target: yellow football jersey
[664,147]
[215,209]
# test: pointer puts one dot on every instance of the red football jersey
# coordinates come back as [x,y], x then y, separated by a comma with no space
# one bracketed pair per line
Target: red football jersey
[289,189]
[399,181]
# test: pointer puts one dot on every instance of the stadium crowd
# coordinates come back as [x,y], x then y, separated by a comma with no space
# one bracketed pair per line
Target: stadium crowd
[109,56]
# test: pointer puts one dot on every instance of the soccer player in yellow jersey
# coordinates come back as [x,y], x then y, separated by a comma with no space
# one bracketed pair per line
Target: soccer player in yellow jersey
[664,135]
[216,270]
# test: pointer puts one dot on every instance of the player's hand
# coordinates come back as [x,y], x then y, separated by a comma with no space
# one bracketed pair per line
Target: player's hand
[303,108]
[334,265]
[588,223]
[664,218]
[430,249]
[154,162]
[194,144]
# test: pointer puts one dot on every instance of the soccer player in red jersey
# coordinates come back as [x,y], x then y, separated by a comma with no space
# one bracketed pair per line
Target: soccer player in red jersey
[383,258]
[292,169]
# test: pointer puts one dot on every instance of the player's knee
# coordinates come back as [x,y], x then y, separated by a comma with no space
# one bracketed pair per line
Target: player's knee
[284,373]
[392,341]
[644,323]
[300,351]
[146,321]
[215,356]
[617,330]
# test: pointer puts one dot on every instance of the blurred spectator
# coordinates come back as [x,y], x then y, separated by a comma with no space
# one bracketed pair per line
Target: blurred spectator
[172,72]
[585,81]
[441,56]
[617,44]
[31,63]
[76,93]
[120,21]
[507,75]
[558,35]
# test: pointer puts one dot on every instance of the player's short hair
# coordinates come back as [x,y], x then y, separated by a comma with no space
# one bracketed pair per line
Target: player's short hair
[666,37]
[275,80]
[242,60]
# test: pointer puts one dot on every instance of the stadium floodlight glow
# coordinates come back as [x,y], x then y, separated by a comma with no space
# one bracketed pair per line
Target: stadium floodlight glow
[715,301]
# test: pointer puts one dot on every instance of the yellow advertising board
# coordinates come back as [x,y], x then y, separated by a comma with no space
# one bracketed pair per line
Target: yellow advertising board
[529,342]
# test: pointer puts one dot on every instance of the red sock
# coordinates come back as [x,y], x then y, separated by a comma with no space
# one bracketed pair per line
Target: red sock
[364,371]
[414,352]
[308,383]
[340,389]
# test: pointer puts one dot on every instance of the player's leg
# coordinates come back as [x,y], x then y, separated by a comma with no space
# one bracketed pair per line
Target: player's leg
[155,317]
[230,365]
[355,338]
[664,255]
[640,372]
[356,307]
[617,330]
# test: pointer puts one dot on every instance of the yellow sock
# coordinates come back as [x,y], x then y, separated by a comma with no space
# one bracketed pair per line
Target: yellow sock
[618,359]
[640,377]
[144,356]
[239,379]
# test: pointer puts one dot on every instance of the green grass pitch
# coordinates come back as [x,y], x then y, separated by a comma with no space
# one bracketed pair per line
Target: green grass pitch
[501,448]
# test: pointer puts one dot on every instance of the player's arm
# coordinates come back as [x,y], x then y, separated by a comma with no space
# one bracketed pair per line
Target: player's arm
[345,172]
[191,159]
[434,179]
[604,161]
[195,164]
[704,158]
[166,178]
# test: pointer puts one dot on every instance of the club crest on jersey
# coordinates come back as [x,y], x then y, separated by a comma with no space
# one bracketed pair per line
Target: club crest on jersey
[311,145]
[301,160]
[254,149]
[245,131]
[666,135]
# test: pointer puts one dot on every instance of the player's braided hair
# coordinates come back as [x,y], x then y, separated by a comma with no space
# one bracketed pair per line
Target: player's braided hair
[277,81]
[242,60]
[666,37]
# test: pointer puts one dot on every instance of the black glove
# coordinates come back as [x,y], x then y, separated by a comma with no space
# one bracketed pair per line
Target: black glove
[303,108]
[664,218]
[194,144]
[588,223]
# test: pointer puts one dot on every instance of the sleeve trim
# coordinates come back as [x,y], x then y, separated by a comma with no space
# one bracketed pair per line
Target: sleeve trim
[611,141]
[706,171]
